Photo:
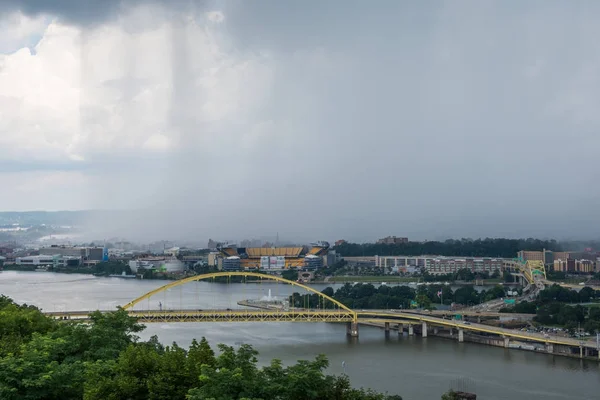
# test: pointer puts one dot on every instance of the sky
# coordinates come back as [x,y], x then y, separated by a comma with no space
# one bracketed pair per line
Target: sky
[315,120]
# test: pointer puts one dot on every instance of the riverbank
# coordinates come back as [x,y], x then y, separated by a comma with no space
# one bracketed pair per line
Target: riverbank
[471,337]
[392,279]
[462,335]
[94,272]
[370,279]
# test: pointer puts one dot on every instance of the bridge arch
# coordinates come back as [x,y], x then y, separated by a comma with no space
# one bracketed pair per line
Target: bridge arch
[236,273]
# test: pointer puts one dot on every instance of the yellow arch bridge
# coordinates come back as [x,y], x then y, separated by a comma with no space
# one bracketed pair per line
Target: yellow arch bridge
[341,313]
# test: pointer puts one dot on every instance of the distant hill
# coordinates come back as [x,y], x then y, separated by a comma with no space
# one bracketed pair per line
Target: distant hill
[28,218]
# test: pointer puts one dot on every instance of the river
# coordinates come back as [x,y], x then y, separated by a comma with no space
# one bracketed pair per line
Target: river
[412,367]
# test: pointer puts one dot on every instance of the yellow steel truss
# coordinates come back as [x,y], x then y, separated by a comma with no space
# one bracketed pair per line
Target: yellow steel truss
[236,273]
[243,316]
[531,269]
[334,316]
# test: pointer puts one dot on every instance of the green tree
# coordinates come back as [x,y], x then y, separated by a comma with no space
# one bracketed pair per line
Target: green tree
[466,295]
[423,300]
[125,378]
[199,354]
[42,370]
[170,380]
[290,274]
[18,323]
[586,294]
[104,360]
[450,395]
[508,277]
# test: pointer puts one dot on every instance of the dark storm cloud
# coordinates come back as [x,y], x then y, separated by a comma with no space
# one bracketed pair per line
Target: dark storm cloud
[80,11]
[426,119]
[88,12]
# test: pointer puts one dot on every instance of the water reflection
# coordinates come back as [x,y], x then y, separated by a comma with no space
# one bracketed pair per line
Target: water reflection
[414,367]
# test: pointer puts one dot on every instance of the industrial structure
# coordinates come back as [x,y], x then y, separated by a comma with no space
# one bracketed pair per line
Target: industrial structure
[234,258]
[161,264]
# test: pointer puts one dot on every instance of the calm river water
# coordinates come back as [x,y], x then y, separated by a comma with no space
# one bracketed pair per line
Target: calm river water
[412,367]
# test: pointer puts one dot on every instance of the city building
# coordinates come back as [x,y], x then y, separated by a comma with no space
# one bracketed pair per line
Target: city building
[447,265]
[231,264]
[161,264]
[432,264]
[583,255]
[531,255]
[360,262]
[173,252]
[275,258]
[584,266]
[574,266]
[86,253]
[546,256]
[312,262]
[404,264]
[560,255]
[332,258]
[392,240]
[56,260]
[213,258]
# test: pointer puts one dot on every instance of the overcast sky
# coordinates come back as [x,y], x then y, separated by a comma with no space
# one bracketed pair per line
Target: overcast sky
[314,119]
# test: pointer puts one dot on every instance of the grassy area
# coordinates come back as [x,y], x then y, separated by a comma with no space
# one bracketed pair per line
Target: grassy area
[493,280]
[571,280]
[368,278]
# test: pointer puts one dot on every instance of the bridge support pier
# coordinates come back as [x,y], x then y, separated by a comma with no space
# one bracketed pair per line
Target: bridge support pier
[352,329]
[580,351]
[461,335]
[435,330]
[424,329]
[400,329]
[549,348]
[411,330]
[506,342]
[387,326]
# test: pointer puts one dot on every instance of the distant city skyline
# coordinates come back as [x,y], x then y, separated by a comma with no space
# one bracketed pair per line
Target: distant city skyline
[429,120]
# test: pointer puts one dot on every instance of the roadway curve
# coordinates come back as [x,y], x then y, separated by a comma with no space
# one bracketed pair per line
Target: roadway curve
[435,321]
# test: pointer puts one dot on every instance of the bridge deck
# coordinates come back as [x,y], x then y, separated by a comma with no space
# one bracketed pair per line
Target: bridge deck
[379,316]
[534,337]
[470,313]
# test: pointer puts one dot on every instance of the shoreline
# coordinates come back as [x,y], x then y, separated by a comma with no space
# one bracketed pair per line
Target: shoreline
[488,341]
[350,280]
[470,337]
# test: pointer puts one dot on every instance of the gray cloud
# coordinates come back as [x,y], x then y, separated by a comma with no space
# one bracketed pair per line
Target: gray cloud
[91,12]
[83,11]
[437,120]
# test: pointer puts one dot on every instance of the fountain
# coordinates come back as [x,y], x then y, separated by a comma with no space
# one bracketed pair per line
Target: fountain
[268,298]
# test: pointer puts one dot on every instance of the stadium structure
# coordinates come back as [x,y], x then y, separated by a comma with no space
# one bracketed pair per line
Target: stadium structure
[273,258]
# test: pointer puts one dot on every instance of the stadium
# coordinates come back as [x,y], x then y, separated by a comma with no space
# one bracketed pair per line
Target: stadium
[273,258]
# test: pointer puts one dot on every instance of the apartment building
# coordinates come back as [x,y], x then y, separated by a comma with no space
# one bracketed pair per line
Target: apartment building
[574,266]
[438,265]
[546,256]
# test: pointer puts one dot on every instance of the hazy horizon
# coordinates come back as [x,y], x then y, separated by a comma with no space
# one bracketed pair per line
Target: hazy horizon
[334,119]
